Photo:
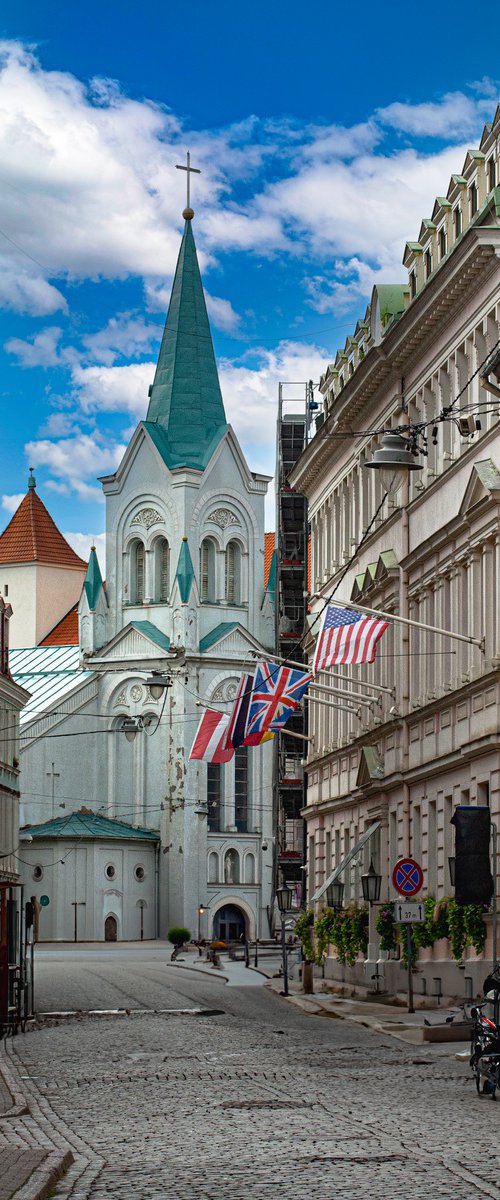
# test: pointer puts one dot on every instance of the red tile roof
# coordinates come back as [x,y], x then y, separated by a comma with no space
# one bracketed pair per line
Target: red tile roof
[269,544]
[65,633]
[32,536]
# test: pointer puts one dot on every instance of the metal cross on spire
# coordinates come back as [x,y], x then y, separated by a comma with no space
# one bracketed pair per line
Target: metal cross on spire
[188,211]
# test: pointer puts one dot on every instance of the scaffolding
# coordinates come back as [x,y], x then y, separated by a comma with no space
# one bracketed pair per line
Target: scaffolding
[296,409]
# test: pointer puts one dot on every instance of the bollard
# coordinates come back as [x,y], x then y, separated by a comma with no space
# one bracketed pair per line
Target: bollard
[307,977]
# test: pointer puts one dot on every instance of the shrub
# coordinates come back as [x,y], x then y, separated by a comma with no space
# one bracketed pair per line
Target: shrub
[177,935]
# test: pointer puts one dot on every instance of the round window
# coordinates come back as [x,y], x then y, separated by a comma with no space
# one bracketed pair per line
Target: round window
[110,871]
[37,872]
[139,873]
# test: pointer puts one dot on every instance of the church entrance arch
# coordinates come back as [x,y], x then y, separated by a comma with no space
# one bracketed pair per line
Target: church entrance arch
[229,924]
[111,929]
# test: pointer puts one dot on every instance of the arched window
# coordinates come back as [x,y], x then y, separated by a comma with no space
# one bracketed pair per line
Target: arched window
[213,867]
[233,573]
[137,572]
[214,796]
[241,789]
[162,571]
[231,866]
[207,571]
[250,868]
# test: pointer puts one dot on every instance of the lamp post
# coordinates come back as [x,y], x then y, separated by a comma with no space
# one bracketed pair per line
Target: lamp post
[285,897]
[201,910]
[371,884]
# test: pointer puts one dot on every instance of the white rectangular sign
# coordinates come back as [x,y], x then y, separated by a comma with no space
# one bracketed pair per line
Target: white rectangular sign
[407,911]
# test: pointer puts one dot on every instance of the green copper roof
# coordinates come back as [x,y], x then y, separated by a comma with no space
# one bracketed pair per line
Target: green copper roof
[93,580]
[185,571]
[216,634]
[87,824]
[151,631]
[186,417]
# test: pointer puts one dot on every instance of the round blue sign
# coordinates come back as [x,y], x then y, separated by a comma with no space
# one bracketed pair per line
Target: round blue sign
[44,900]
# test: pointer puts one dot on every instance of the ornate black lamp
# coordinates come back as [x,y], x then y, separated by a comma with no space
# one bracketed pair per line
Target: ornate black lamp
[371,884]
[285,897]
[335,894]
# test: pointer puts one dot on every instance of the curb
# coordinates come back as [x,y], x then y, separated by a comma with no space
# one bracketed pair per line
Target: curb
[19,1108]
[44,1179]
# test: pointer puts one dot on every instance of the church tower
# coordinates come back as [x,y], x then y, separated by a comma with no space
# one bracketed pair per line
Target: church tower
[185,568]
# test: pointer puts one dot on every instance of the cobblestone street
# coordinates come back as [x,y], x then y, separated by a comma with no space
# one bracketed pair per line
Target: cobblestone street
[246,1098]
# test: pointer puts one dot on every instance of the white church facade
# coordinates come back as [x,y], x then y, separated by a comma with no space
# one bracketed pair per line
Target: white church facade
[105,772]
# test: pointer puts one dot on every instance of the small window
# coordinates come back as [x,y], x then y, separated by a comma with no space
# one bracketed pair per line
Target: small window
[413,284]
[457,220]
[162,580]
[37,873]
[473,199]
[139,873]
[492,174]
[6,589]
[428,263]
[233,573]
[110,871]
[207,571]
[442,242]
[137,572]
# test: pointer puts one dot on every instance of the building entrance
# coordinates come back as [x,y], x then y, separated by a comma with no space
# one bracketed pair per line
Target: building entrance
[229,924]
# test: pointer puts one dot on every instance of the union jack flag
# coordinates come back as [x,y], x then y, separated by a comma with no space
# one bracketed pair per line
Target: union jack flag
[276,694]
[346,637]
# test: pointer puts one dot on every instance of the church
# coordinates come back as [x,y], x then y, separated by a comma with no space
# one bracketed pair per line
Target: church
[123,835]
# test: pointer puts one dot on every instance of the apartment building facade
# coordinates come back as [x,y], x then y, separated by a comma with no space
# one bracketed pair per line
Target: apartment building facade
[430,740]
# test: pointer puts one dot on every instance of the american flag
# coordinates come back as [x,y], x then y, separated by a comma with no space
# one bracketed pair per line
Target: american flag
[346,637]
[275,696]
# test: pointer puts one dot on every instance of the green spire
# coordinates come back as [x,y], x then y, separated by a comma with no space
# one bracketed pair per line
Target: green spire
[93,580]
[186,417]
[185,571]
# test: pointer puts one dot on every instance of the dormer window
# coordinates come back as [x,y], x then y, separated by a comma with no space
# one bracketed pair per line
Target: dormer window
[428,263]
[413,284]
[472,200]
[457,220]
[442,242]
[492,174]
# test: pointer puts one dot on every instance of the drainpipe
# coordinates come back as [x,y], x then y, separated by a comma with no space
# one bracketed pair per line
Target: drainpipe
[157,890]
[405,664]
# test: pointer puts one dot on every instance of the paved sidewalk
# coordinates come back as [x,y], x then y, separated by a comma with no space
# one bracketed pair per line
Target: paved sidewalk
[31,1163]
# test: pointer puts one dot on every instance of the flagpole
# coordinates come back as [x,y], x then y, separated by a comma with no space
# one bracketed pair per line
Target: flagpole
[288,662]
[375,612]
[291,733]
[333,691]
[333,704]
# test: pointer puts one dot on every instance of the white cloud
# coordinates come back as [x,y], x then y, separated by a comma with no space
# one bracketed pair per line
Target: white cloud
[11,503]
[222,314]
[82,544]
[30,294]
[42,351]
[454,116]
[124,336]
[251,395]
[114,389]
[73,461]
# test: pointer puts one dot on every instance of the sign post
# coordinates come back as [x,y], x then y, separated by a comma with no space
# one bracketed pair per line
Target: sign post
[408,878]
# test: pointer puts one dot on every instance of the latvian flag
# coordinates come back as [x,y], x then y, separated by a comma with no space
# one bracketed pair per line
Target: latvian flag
[210,736]
[346,637]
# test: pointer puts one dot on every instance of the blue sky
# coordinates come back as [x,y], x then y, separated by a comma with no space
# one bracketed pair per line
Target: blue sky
[323,136]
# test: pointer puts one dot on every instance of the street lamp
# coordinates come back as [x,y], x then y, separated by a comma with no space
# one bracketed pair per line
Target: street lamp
[201,910]
[158,683]
[285,897]
[371,884]
[335,894]
[394,460]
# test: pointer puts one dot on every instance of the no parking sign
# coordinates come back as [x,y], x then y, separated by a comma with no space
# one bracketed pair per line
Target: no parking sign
[407,877]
